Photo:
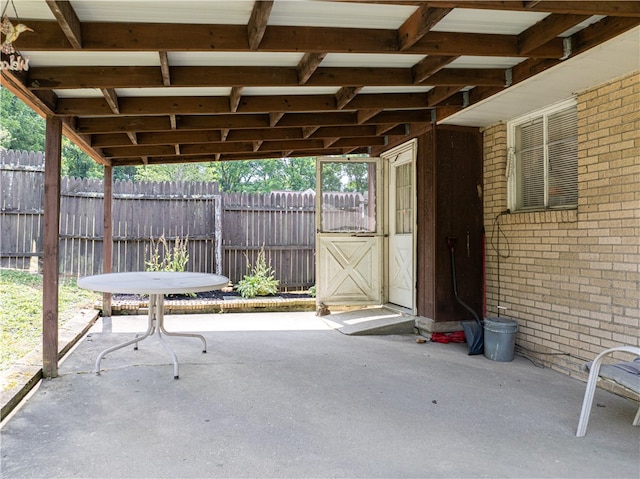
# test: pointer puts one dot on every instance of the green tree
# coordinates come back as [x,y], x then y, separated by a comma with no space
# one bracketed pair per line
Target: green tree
[175,172]
[290,174]
[26,129]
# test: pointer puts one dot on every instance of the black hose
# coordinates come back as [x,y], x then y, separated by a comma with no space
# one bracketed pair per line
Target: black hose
[455,287]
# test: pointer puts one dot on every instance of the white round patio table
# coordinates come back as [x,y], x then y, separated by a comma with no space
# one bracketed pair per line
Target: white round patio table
[156,284]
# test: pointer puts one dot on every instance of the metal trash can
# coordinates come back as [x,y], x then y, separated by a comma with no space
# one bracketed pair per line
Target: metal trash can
[499,338]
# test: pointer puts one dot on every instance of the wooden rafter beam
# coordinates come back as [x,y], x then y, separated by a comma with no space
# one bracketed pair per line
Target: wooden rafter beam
[164,68]
[61,78]
[629,8]
[429,66]
[258,22]
[133,137]
[439,94]
[582,41]
[274,118]
[68,21]
[122,37]
[234,98]
[185,137]
[111,97]
[419,24]
[546,30]
[308,65]
[307,131]
[119,124]
[345,95]
[366,114]
[199,149]
[279,104]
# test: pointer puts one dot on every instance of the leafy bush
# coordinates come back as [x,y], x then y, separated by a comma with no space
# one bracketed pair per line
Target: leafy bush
[261,281]
[175,259]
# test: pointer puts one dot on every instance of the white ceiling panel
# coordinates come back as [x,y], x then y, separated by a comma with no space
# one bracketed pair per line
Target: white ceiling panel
[28,9]
[274,59]
[79,93]
[484,62]
[301,90]
[397,89]
[338,14]
[235,12]
[87,59]
[600,64]
[582,25]
[355,60]
[175,91]
[465,20]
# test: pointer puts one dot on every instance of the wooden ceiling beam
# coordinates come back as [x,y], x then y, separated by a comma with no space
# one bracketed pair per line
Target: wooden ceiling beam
[60,78]
[68,21]
[111,97]
[274,118]
[133,138]
[258,22]
[123,37]
[113,125]
[419,24]
[546,30]
[308,65]
[184,137]
[366,114]
[591,36]
[234,98]
[165,71]
[254,104]
[429,66]
[629,8]
[234,147]
[345,95]
[439,94]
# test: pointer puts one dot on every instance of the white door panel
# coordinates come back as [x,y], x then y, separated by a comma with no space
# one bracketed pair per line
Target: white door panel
[348,270]
[401,225]
[349,236]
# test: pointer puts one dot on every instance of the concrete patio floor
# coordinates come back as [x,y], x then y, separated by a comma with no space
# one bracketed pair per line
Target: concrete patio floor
[285,395]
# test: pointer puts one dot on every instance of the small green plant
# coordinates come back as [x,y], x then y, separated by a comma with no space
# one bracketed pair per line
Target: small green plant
[312,291]
[175,259]
[261,281]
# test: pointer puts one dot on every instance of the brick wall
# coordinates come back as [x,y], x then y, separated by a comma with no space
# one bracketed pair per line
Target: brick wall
[572,278]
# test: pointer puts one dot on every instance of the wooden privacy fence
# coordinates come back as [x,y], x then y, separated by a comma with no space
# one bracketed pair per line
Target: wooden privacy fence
[225,230]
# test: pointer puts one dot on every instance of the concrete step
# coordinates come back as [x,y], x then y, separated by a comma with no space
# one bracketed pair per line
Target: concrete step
[378,320]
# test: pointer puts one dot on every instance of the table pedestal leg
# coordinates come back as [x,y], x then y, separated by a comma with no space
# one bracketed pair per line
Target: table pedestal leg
[155,325]
[172,333]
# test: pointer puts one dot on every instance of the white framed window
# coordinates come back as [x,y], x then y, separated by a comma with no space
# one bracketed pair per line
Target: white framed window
[542,163]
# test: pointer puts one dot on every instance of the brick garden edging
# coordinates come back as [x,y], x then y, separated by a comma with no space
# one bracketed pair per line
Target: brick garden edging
[203,306]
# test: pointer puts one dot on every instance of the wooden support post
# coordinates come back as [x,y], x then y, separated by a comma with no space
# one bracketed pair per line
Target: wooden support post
[50,268]
[107,238]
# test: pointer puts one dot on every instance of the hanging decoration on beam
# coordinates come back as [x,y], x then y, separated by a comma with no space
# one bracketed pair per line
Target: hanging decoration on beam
[11,32]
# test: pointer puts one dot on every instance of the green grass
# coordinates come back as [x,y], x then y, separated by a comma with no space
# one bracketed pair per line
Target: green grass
[21,311]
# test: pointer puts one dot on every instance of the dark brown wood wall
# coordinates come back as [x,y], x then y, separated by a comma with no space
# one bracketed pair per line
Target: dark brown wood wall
[449,182]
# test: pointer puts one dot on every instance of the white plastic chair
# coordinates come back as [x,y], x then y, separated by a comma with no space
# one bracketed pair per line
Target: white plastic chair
[627,380]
